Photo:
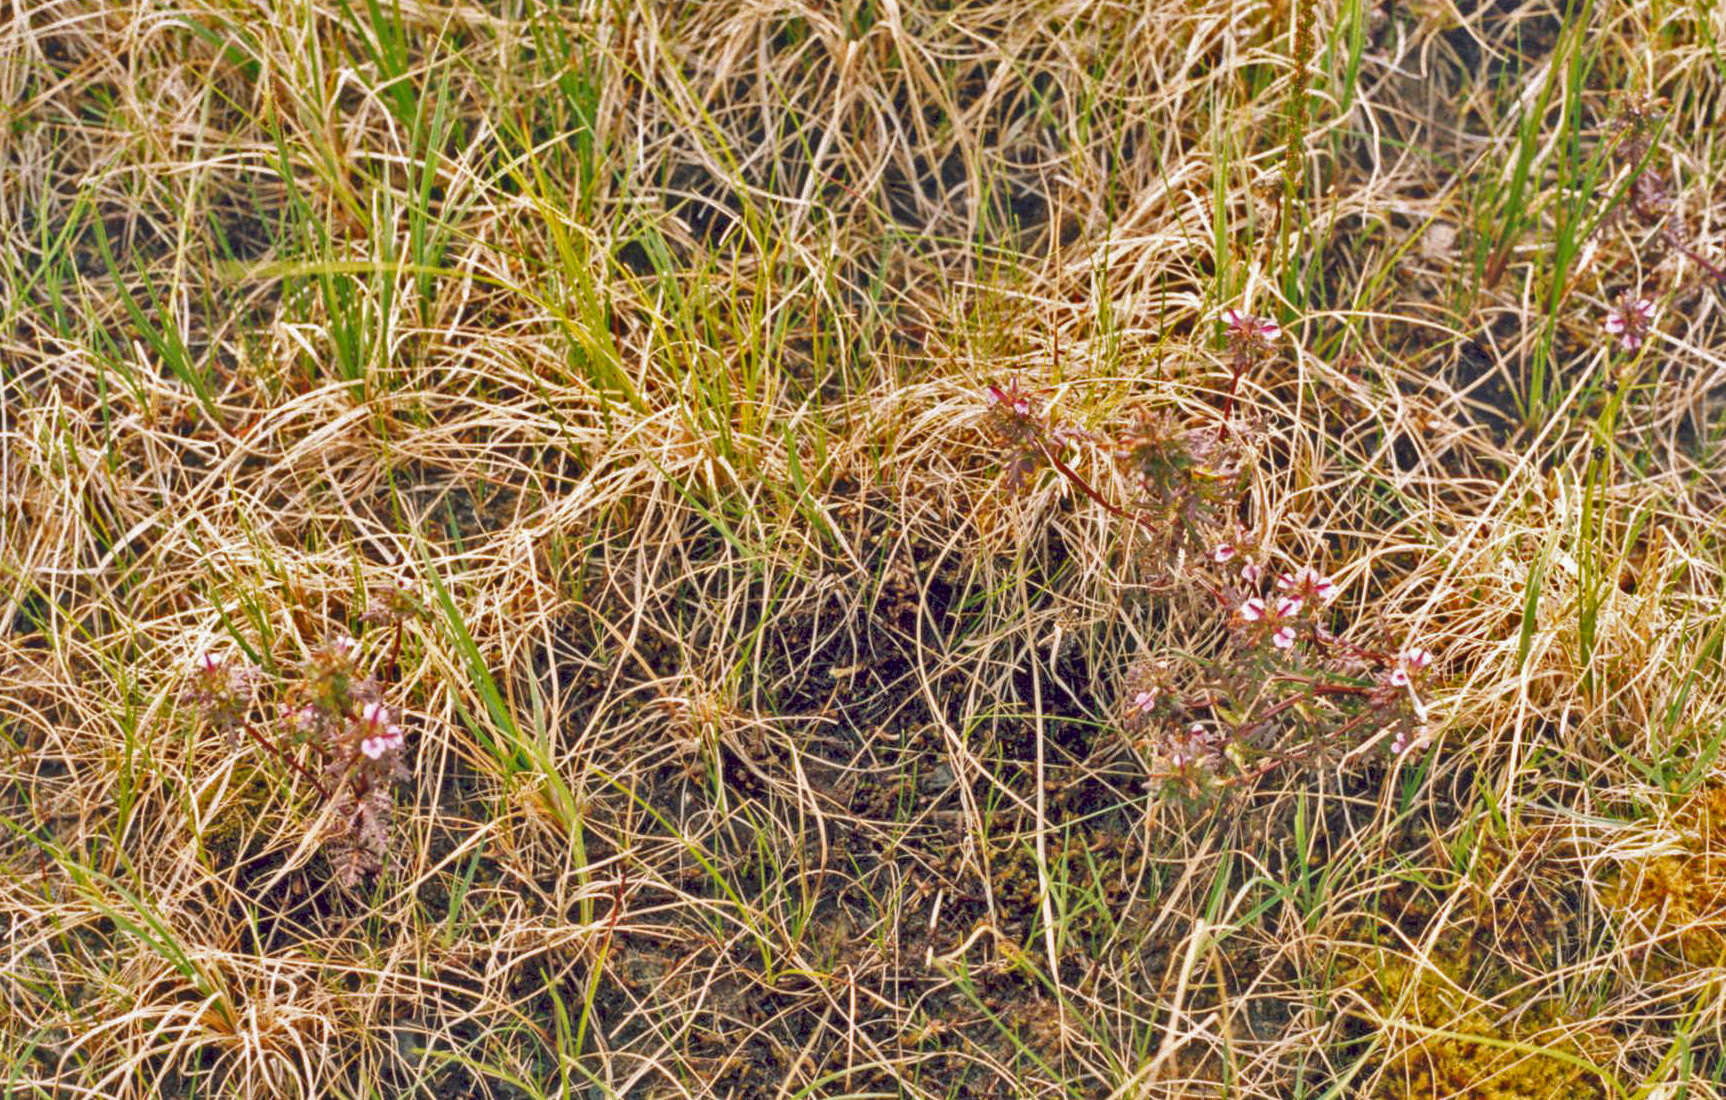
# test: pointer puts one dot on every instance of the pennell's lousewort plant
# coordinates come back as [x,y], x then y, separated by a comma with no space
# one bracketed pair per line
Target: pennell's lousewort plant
[1284,686]
[336,712]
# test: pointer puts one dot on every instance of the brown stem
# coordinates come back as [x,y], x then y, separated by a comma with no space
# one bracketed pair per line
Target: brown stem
[1290,701]
[277,751]
[1196,703]
[1331,641]
[394,668]
[1319,688]
[1085,487]
[1274,761]
[1705,265]
[1229,402]
[616,908]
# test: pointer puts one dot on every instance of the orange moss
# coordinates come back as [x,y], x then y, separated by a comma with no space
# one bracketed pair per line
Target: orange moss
[1680,897]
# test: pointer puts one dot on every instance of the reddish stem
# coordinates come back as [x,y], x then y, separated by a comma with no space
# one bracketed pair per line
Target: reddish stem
[1274,761]
[395,653]
[1229,401]
[1706,266]
[1319,688]
[616,908]
[1085,487]
[276,750]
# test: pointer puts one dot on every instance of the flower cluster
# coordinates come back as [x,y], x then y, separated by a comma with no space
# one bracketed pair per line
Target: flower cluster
[1630,321]
[1407,671]
[1181,468]
[1251,339]
[1651,199]
[1198,745]
[377,734]
[222,688]
[1286,688]
[1285,616]
[1637,122]
[396,603]
[333,728]
[1015,420]
[1281,684]
[1188,476]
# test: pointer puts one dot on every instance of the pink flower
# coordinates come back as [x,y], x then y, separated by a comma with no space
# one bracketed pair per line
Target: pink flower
[1415,658]
[1145,700]
[1630,321]
[1308,581]
[381,735]
[1252,573]
[222,690]
[1013,398]
[375,747]
[1253,610]
[1399,743]
[1245,326]
[1196,745]
[1288,607]
[1408,662]
[1284,638]
[1223,553]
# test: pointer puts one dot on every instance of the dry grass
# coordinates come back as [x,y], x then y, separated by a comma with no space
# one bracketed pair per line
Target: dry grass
[783,760]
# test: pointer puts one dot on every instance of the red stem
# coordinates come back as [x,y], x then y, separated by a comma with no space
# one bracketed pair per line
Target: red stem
[1078,479]
[1274,761]
[395,653]
[1327,689]
[276,750]
[1706,266]
[1229,402]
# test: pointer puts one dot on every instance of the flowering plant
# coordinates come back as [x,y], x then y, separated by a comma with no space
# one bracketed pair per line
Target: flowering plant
[1281,686]
[1650,200]
[1630,321]
[333,729]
